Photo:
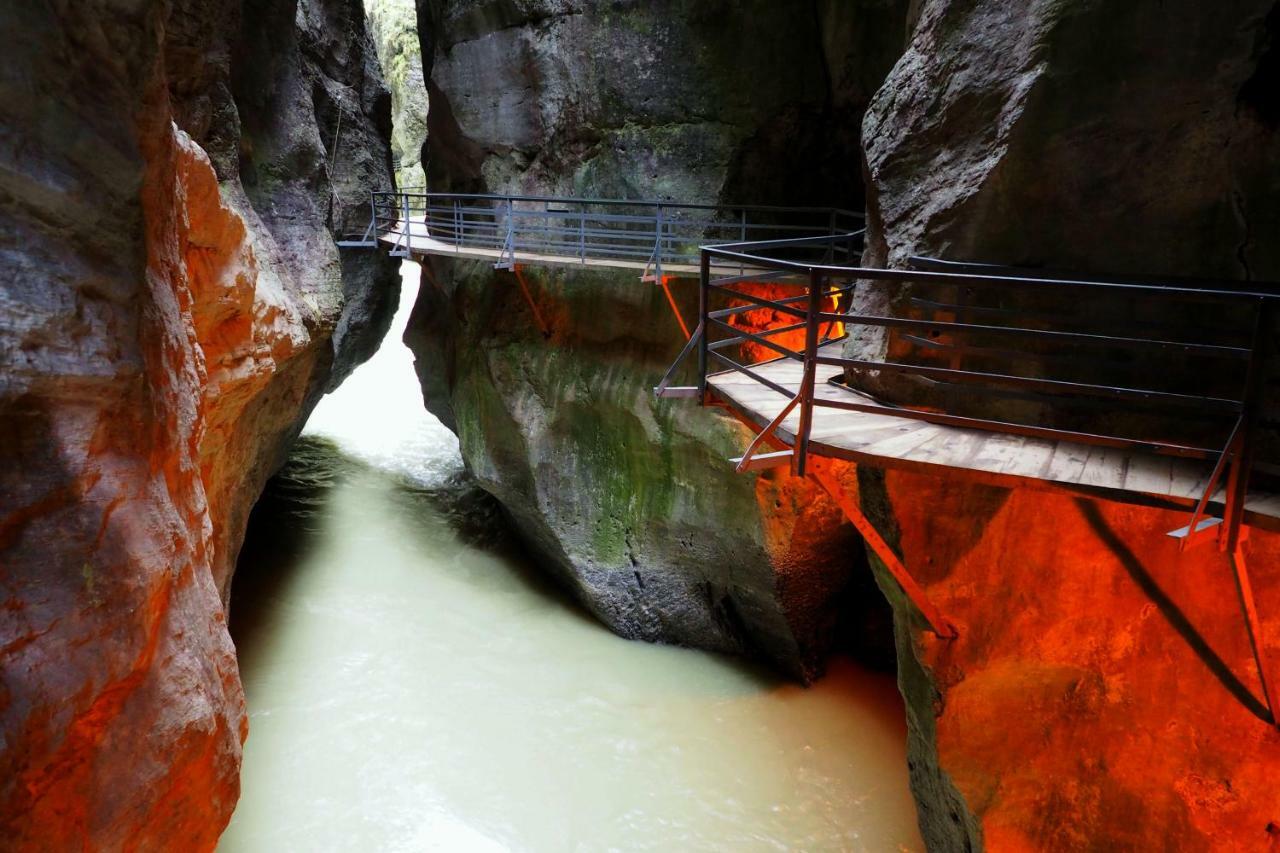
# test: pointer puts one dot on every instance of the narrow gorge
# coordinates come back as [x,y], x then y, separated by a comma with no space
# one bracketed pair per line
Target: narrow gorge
[1001,430]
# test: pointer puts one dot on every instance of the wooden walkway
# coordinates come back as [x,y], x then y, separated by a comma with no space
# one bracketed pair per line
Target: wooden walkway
[995,458]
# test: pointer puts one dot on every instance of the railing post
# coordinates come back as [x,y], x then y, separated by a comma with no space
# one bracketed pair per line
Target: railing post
[408,228]
[457,224]
[657,243]
[582,234]
[831,234]
[704,325]
[511,233]
[808,382]
[1238,479]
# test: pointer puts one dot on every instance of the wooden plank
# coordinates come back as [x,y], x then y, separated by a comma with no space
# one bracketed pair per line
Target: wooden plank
[1149,474]
[1067,463]
[1105,468]
[1268,505]
[899,445]
[996,451]
[954,446]
[1032,459]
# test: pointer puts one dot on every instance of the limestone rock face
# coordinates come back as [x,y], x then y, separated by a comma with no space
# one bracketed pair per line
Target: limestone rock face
[629,500]
[1099,696]
[1082,136]
[1079,137]
[689,100]
[394,27]
[1102,693]
[166,321]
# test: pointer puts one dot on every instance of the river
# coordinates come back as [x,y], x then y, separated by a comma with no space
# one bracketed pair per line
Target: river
[413,686]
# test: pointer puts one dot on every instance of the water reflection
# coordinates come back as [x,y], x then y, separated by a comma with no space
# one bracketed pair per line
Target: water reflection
[412,685]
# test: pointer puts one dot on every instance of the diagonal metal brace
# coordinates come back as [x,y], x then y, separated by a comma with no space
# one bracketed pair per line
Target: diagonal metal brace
[528,298]
[1244,588]
[934,620]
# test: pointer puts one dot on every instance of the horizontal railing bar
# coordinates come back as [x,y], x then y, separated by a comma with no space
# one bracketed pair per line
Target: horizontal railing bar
[761,303]
[907,276]
[757,278]
[1083,361]
[1046,316]
[603,202]
[1033,334]
[728,248]
[762,341]
[1083,403]
[1051,385]
[1177,280]
[940,419]
[746,371]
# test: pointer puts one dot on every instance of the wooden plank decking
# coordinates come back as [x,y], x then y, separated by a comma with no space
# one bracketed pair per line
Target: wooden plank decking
[996,458]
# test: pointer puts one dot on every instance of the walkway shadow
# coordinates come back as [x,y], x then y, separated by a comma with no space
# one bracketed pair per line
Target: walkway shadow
[283,530]
[1174,614]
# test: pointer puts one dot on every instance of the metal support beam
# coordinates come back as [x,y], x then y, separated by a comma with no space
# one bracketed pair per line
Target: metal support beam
[1244,588]
[936,622]
[528,298]
[762,461]
[744,461]
[675,309]
[805,395]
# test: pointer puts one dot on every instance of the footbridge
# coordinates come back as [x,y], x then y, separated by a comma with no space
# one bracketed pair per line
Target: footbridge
[652,238]
[1139,390]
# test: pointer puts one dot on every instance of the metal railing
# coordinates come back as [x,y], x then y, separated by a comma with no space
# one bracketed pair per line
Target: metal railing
[1069,358]
[654,236]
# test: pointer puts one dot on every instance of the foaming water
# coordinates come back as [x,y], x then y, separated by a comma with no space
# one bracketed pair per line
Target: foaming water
[413,686]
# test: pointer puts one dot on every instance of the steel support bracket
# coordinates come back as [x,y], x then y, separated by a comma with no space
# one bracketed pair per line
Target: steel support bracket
[933,618]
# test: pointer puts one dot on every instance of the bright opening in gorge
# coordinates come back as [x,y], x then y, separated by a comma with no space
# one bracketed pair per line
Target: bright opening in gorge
[589,424]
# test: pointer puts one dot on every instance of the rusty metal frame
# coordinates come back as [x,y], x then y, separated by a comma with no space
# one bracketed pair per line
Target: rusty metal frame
[1233,461]
[933,618]
[528,299]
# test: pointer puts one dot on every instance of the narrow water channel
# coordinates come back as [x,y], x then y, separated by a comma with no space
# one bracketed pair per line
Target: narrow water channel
[412,685]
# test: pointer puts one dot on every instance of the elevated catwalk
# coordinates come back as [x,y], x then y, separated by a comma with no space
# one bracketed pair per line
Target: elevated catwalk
[1127,475]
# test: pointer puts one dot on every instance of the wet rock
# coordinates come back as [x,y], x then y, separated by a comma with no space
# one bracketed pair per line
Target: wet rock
[1101,695]
[164,328]
[628,500]
[394,27]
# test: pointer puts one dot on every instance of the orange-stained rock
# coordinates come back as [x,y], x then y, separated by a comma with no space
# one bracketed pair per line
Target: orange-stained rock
[1102,693]
[160,343]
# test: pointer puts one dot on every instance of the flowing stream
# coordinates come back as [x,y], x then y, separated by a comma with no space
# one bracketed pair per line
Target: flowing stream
[413,685]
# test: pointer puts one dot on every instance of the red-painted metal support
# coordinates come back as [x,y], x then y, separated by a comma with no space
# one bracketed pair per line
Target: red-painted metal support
[1263,661]
[430,276]
[528,298]
[819,471]
[936,622]
[675,309]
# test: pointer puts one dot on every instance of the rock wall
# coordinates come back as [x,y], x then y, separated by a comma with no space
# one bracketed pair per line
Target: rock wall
[1079,137]
[629,500]
[171,306]
[1101,695]
[394,27]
